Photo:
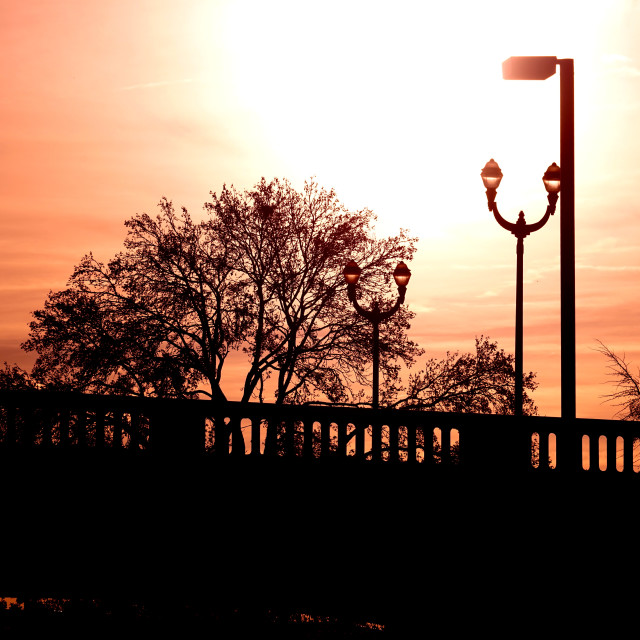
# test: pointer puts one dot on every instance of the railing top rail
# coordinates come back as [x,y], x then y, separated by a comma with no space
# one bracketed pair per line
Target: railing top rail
[69,399]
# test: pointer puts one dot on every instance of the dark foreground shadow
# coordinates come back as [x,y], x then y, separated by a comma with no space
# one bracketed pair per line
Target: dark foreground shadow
[315,551]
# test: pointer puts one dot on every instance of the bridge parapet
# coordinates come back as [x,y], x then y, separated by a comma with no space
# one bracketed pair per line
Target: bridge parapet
[51,422]
[106,494]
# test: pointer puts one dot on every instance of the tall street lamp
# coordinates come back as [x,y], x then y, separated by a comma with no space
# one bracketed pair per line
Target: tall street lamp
[491,176]
[351,275]
[541,68]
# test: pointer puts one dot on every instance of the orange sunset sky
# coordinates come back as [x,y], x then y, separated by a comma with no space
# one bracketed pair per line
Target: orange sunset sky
[106,106]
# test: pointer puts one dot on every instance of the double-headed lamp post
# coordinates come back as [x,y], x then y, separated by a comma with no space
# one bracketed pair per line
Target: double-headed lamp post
[491,176]
[351,275]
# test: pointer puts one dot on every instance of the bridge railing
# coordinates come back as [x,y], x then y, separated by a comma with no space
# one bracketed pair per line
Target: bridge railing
[52,421]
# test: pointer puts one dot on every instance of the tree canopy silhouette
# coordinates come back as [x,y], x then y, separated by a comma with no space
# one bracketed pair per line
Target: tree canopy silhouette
[14,378]
[260,273]
[480,382]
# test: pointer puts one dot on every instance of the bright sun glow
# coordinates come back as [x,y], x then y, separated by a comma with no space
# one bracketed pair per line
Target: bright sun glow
[367,98]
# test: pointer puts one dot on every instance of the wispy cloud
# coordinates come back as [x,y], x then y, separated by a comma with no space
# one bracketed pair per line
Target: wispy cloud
[418,308]
[599,267]
[609,245]
[475,267]
[615,58]
[621,65]
[154,85]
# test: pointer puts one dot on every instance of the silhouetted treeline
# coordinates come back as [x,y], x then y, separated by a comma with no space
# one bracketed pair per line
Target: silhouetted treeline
[259,274]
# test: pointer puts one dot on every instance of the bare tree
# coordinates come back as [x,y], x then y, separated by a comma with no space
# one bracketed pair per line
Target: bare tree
[480,382]
[262,273]
[291,248]
[158,319]
[626,394]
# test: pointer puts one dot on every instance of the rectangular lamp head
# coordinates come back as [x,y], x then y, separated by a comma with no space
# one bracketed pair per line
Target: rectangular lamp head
[529,67]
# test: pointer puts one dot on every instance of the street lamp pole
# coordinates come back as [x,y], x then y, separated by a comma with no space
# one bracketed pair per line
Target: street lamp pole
[541,68]
[351,275]
[491,177]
